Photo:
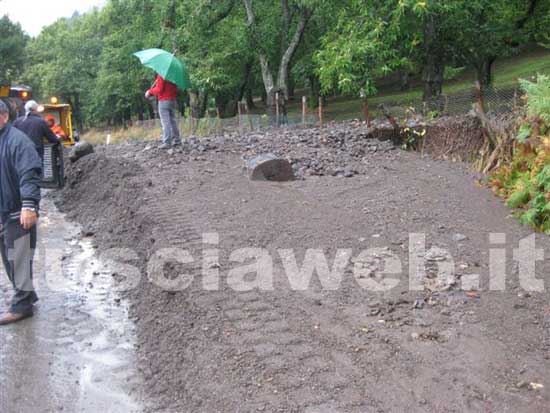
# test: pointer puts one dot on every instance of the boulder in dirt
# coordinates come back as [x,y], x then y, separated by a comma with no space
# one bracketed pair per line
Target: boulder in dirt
[80,150]
[269,167]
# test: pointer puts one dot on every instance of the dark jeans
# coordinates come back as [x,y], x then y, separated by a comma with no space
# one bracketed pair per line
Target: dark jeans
[17,247]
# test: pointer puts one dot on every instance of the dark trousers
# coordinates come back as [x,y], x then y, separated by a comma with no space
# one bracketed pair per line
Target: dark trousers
[17,247]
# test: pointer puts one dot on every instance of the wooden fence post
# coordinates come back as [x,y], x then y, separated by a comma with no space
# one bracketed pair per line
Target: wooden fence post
[366,110]
[304,110]
[219,119]
[277,109]
[239,113]
[321,113]
[248,116]
[446,108]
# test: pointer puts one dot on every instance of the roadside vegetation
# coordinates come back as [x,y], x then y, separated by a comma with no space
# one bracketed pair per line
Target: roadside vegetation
[524,181]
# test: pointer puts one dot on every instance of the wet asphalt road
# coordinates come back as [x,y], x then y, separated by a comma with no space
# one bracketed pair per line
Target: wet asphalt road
[76,353]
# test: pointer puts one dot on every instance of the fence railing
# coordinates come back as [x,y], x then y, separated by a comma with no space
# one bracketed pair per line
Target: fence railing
[494,101]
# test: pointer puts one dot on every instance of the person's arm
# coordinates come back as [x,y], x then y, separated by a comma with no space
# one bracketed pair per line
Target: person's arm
[29,169]
[58,131]
[158,88]
[47,132]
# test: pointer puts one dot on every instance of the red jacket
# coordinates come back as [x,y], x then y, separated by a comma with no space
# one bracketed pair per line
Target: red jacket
[164,89]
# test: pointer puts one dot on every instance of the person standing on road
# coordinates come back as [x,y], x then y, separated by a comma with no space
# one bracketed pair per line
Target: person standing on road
[35,127]
[20,171]
[167,94]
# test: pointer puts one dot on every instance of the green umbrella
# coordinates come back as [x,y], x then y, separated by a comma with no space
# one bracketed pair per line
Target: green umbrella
[166,65]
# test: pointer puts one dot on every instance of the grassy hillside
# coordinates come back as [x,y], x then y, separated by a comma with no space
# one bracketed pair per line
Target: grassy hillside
[506,74]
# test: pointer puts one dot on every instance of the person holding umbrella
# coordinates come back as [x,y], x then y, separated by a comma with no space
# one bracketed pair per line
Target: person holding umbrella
[167,94]
[171,75]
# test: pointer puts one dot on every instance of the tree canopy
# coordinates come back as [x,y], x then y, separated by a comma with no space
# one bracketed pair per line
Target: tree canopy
[12,49]
[236,49]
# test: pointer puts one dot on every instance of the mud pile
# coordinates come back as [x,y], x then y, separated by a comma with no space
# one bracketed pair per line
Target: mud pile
[282,349]
[103,193]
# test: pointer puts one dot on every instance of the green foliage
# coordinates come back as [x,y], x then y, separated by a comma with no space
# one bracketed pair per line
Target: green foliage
[361,47]
[525,182]
[524,133]
[538,213]
[412,138]
[346,46]
[538,97]
[12,49]
[453,72]
[522,193]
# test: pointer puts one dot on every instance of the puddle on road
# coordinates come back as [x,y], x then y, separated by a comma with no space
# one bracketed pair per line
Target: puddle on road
[76,354]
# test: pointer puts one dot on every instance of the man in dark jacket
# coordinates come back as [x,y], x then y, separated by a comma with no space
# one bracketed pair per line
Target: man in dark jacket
[20,171]
[35,127]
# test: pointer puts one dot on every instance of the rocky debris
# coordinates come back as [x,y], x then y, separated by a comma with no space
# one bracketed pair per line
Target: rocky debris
[269,167]
[343,150]
[80,150]
[459,238]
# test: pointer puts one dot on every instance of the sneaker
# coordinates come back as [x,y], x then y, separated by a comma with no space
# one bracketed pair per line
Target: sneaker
[164,146]
[178,143]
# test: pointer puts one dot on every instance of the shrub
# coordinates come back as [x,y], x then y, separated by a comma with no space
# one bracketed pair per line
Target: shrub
[525,181]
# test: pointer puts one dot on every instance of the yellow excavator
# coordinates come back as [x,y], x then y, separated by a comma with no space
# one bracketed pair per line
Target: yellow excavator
[53,170]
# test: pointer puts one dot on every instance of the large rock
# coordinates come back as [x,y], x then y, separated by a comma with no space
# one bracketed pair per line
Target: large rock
[80,150]
[268,167]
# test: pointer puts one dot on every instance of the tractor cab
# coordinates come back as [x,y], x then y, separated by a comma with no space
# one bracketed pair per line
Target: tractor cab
[61,114]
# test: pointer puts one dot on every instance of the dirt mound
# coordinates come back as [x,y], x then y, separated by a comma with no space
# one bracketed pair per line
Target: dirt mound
[349,350]
[103,193]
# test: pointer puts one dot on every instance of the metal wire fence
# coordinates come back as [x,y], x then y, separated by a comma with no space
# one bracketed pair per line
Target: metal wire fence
[495,101]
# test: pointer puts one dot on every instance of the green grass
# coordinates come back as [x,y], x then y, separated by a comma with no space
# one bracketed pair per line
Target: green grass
[506,74]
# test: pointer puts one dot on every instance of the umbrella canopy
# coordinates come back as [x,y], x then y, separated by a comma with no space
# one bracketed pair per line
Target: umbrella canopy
[166,65]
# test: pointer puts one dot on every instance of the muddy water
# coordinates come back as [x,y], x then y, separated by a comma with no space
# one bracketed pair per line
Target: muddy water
[76,353]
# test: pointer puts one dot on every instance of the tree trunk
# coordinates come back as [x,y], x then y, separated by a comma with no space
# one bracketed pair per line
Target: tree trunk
[434,65]
[197,102]
[291,88]
[245,80]
[404,80]
[226,105]
[314,90]
[282,79]
[250,98]
[484,70]
[78,111]
[288,49]
[433,80]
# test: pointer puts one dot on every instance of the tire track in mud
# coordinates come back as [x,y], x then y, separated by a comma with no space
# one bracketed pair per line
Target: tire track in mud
[296,365]
[294,356]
